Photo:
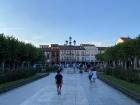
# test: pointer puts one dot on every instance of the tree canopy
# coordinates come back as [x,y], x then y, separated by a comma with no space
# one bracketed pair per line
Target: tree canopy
[14,51]
[127,53]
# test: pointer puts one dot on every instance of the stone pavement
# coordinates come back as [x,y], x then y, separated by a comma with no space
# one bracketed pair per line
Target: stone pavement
[76,91]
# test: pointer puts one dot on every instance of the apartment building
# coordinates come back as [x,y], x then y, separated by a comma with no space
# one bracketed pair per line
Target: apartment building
[55,53]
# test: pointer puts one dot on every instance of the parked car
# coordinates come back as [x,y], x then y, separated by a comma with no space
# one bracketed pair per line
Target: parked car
[38,66]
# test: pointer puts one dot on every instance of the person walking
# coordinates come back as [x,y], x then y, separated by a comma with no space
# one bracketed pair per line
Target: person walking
[90,75]
[59,82]
[94,75]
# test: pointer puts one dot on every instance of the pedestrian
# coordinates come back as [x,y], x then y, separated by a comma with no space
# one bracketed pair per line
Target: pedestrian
[59,82]
[90,75]
[60,68]
[81,68]
[94,74]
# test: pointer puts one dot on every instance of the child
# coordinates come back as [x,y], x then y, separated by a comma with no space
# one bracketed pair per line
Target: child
[59,81]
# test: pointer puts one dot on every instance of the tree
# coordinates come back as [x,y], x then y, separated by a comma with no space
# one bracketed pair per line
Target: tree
[14,53]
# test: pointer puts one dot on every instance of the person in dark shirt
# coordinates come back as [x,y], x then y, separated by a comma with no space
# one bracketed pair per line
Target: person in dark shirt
[59,81]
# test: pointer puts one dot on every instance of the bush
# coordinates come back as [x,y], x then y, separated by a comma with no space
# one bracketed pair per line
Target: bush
[129,75]
[12,75]
[52,68]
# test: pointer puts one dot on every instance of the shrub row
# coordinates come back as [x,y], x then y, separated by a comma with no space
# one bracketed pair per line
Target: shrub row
[129,75]
[12,75]
[52,69]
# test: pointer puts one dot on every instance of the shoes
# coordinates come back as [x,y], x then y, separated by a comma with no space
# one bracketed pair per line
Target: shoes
[59,92]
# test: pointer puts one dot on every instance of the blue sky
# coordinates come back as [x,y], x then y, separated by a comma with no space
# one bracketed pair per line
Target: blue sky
[100,22]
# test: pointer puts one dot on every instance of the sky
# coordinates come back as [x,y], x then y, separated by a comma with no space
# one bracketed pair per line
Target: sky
[99,22]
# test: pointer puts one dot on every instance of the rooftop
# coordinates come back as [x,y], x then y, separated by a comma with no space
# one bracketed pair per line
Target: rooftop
[64,47]
[125,38]
[87,45]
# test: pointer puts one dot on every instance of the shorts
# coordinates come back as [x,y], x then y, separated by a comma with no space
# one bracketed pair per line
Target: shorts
[59,85]
[90,76]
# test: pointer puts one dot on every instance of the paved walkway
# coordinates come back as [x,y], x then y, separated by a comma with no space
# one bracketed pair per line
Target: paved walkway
[76,91]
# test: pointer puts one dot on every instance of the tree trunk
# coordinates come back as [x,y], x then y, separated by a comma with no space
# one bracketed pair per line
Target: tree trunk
[14,66]
[125,65]
[22,65]
[135,63]
[3,66]
[114,64]
[17,67]
[138,63]
[105,64]
[108,64]
[28,64]
[121,64]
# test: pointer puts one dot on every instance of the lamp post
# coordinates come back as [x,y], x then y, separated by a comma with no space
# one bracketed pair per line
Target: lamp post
[69,43]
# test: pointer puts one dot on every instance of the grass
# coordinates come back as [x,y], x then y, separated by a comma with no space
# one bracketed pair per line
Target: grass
[129,86]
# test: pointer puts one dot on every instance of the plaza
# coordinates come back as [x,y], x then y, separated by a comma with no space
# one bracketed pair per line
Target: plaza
[77,90]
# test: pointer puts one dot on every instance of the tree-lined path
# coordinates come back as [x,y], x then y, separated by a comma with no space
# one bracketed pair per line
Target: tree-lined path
[76,91]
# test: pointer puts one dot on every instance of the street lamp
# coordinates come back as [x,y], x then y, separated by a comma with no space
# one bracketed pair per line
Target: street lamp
[69,43]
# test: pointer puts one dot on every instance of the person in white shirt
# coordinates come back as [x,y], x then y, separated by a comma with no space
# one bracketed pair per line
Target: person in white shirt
[94,74]
[90,75]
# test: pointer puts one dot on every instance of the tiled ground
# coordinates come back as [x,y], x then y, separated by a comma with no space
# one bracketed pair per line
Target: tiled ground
[77,90]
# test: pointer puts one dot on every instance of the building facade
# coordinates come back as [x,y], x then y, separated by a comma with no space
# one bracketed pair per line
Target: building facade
[51,52]
[71,54]
[123,39]
[84,53]
[101,50]
[90,52]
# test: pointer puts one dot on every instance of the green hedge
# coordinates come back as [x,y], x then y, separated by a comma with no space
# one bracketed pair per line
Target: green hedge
[129,75]
[12,75]
[52,69]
